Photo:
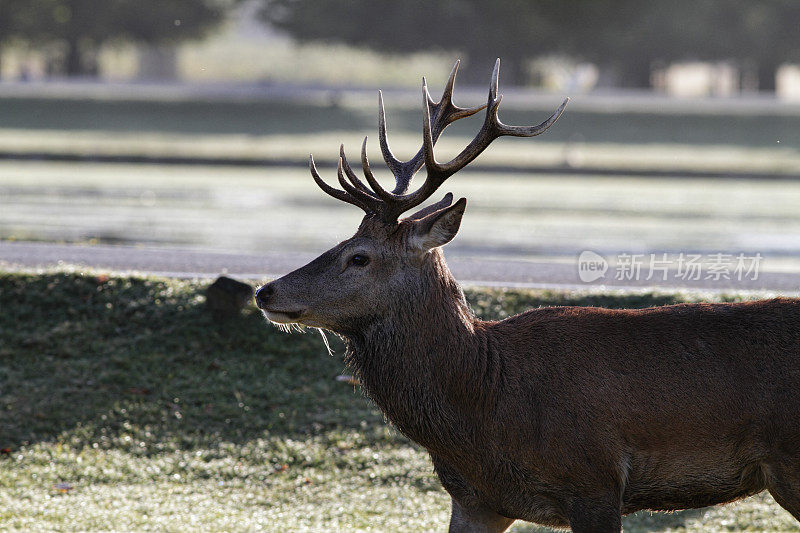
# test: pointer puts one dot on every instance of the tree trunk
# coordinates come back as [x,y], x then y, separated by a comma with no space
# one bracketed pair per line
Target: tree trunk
[73,65]
[635,75]
[766,76]
[479,70]
[158,62]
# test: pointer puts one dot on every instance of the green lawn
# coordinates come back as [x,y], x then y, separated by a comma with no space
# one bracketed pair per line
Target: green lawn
[157,417]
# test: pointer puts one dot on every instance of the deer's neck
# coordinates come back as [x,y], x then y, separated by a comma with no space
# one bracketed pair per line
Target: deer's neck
[430,365]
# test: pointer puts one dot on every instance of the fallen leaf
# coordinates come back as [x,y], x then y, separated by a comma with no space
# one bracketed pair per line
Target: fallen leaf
[63,487]
[5,451]
[350,380]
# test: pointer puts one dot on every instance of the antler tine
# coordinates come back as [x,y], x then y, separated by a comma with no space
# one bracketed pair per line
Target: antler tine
[516,131]
[352,175]
[385,195]
[446,103]
[394,164]
[492,128]
[427,138]
[443,113]
[494,84]
[369,201]
[336,193]
[531,131]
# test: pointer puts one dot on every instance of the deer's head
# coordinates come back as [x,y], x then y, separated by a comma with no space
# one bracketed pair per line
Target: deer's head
[390,260]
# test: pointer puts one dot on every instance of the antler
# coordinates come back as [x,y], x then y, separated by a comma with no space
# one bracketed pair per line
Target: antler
[442,113]
[436,117]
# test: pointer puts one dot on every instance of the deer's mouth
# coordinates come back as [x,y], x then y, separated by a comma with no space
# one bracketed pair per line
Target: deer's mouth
[283,317]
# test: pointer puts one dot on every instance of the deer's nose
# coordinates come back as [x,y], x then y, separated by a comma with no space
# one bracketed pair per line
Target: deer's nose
[263,295]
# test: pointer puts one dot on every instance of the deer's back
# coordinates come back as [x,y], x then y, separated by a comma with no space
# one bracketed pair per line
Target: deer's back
[671,344]
[714,360]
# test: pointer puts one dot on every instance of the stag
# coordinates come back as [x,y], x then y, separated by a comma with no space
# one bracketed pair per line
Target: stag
[563,416]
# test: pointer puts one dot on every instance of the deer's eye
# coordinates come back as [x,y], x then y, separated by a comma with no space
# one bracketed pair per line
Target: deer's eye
[359,260]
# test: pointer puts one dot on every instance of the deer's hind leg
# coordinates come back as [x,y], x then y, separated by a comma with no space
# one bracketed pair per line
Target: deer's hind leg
[481,520]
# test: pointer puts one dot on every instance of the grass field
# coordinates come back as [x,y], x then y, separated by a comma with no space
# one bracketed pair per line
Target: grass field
[125,406]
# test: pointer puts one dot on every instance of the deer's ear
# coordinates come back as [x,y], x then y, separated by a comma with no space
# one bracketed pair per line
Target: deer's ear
[439,227]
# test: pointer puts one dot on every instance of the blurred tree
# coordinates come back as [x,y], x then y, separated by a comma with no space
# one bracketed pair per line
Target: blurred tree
[82,26]
[629,36]
[622,36]
[14,20]
[511,29]
[770,31]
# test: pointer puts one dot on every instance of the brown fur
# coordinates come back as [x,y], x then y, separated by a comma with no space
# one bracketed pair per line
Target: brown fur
[565,416]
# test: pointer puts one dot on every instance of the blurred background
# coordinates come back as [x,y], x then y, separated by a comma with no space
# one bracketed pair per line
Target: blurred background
[187,123]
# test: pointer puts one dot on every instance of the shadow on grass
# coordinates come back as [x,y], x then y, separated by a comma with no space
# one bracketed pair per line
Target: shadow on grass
[637,522]
[104,360]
